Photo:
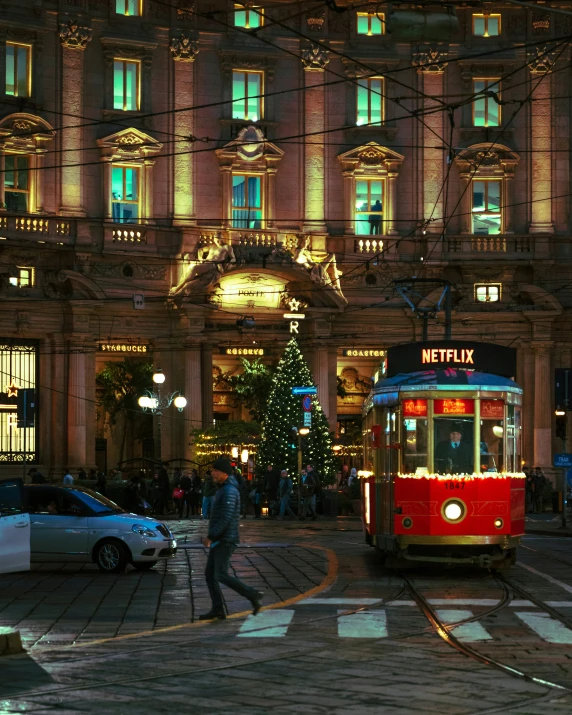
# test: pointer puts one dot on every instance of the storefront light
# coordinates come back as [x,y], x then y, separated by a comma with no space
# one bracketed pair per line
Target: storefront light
[244,456]
[234,452]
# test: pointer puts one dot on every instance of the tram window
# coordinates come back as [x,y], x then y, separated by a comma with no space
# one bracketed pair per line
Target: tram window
[414,446]
[454,452]
[513,461]
[492,435]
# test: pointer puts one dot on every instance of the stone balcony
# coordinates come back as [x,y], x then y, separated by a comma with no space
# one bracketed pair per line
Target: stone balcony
[42,229]
[500,247]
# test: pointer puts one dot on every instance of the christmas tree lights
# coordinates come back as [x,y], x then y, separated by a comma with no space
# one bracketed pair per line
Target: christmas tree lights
[279,445]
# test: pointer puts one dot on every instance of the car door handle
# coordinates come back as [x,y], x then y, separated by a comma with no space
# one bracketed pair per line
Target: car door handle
[21,526]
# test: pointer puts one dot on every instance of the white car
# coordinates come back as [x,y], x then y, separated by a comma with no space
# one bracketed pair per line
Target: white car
[14,527]
[76,524]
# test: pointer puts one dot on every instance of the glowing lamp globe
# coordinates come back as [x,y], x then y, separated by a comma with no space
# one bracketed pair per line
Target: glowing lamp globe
[144,401]
[159,377]
[180,402]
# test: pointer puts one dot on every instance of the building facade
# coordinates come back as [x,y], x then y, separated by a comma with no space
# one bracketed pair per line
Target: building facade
[171,171]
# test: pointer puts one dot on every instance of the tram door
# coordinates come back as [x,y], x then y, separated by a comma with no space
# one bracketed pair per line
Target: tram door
[389,465]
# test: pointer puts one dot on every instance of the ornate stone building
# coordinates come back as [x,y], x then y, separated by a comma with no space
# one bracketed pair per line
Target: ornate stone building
[170,169]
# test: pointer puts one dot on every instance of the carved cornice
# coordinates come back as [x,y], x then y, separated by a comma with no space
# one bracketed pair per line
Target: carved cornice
[126,49]
[315,58]
[248,61]
[185,9]
[540,60]
[430,59]
[183,48]
[366,68]
[74,36]
[470,69]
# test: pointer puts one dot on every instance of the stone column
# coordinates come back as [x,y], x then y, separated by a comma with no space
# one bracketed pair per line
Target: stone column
[390,229]
[542,406]
[91,411]
[323,365]
[527,445]
[74,39]
[540,66]
[207,384]
[184,51]
[431,61]
[315,60]
[77,411]
[193,392]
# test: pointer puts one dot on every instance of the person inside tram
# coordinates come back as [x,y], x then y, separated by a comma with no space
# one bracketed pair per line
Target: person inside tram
[454,455]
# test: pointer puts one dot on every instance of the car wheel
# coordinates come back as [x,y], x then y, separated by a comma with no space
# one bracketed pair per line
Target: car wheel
[111,556]
[144,565]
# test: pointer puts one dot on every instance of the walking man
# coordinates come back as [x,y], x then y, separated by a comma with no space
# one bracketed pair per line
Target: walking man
[222,540]
[285,491]
[308,491]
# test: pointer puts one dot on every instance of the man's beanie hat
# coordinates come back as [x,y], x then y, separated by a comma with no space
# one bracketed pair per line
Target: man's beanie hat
[222,464]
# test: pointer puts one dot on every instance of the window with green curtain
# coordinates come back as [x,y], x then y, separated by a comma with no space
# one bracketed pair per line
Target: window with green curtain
[368,216]
[247,17]
[128,7]
[486,112]
[125,85]
[486,210]
[16,182]
[125,194]
[246,91]
[369,101]
[246,201]
[18,70]
[369,23]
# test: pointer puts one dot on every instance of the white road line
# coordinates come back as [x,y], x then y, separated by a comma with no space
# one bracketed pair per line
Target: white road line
[468,632]
[339,601]
[555,581]
[467,602]
[548,628]
[367,624]
[267,624]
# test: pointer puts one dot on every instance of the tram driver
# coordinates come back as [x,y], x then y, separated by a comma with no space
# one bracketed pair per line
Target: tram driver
[454,455]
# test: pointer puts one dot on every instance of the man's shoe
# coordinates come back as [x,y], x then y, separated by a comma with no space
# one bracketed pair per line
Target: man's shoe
[212,616]
[256,603]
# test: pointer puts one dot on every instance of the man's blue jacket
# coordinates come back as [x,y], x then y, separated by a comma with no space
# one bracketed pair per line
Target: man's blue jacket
[225,515]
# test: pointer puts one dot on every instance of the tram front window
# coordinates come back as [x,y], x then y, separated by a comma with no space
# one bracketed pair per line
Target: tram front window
[414,446]
[492,435]
[454,453]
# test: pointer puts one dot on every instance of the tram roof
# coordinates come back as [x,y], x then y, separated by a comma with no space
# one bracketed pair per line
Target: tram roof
[449,379]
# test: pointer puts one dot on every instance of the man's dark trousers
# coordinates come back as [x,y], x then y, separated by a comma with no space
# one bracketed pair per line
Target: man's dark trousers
[216,572]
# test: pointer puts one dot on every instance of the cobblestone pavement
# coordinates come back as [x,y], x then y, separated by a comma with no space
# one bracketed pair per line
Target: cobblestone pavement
[361,645]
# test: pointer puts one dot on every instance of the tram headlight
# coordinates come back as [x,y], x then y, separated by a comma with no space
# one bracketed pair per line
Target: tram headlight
[498,523]
[407,522]
[454,511]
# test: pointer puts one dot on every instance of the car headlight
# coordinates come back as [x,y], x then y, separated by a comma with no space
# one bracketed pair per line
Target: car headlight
[143,530]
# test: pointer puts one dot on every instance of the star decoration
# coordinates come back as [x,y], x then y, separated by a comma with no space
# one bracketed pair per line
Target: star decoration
[294,305]
[12,389]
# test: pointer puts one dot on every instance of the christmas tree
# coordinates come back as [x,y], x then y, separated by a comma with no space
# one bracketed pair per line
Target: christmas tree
[279,443]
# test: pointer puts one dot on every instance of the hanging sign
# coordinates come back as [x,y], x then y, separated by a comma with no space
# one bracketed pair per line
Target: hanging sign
[414,408]
[307,419]
[242,351]
[454,406]
[492,409]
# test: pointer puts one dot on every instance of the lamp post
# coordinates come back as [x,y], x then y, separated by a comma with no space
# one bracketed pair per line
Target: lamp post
[302,432]
[155,403]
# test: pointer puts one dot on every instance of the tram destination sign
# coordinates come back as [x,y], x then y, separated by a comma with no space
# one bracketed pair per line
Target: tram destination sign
[441,354]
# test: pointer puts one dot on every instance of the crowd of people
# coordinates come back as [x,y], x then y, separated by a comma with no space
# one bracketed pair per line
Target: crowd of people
[536,488]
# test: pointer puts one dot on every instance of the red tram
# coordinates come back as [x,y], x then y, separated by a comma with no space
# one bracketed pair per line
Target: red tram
[442,448]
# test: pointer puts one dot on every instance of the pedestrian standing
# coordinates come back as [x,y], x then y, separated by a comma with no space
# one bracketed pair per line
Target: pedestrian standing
[317,488]
[271,486]
[222,539]
[196,491]
[529,490]
[68,479]
[255,497]
[539,482]
[184,500]
[308,491]
[285,492]
[209,491]
[101,484]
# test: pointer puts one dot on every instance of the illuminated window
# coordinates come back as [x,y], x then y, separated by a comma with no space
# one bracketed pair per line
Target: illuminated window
[370,101]
[126,85]
[486,25]
[248,17]
[18,70]
[129,7]
[368,207]
[246,201]
[486,209]
[246,95]
[486,112]
[370,23]
[24,278]
[16,182]
[125,194]
[487,293]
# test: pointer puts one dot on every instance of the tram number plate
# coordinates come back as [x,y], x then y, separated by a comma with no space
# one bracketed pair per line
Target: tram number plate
[454,485]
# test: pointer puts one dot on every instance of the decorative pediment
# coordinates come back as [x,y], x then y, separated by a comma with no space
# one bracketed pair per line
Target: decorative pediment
[247,60]
[370,157]
[128,49]
[25,132]
[487,158]
[129,144]
[252,147]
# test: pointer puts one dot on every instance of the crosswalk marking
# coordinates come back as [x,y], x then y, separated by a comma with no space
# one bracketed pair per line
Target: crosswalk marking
[468,632]
[340,601]
[366,624]
[267,624]
[548,628]
[553,580]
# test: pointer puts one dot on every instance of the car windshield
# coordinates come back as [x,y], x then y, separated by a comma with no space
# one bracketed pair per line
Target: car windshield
[96,502]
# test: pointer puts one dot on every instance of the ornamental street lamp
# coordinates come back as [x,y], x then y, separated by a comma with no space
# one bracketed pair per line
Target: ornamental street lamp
[155,403]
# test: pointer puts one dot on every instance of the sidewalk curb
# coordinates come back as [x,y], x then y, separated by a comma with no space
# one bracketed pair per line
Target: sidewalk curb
[548,532]
[10,642]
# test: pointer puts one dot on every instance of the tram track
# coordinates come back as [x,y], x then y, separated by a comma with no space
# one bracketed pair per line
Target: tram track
[546,555]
